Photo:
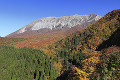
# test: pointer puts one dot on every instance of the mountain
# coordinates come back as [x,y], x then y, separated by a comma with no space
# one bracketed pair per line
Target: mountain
[51,24]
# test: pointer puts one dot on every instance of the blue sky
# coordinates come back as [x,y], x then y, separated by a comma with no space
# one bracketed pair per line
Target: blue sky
[15,14]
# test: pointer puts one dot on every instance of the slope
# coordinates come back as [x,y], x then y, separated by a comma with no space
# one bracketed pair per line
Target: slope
[114,39]
[10,41]
[40,41]
[79,48]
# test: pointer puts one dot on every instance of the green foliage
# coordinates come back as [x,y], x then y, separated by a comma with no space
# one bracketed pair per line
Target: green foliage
[109,68]
[25,64]
[10,41]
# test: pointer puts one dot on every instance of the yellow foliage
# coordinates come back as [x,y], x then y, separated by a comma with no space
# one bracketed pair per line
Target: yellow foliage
[80,74]
[87,69]
[91,60]
[58,67]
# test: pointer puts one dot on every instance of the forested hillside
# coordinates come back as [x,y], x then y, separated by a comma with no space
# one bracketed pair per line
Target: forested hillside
[25,64]
[83,49]
[10,41]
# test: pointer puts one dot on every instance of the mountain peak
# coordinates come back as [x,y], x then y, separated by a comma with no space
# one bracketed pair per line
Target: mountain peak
[76,15]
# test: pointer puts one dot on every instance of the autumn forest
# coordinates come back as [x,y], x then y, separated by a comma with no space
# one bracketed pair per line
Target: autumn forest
[92,53]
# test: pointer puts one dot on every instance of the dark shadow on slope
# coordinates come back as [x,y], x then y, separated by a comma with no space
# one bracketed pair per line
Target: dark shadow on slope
[63,76]
[114,39]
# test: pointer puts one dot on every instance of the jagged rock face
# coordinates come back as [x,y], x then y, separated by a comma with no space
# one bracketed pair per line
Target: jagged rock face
[59,22]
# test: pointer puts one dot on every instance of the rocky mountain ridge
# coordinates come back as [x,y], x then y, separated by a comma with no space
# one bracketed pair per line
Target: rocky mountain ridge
[55,23]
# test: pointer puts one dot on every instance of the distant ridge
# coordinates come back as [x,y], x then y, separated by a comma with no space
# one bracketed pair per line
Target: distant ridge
[48,24]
